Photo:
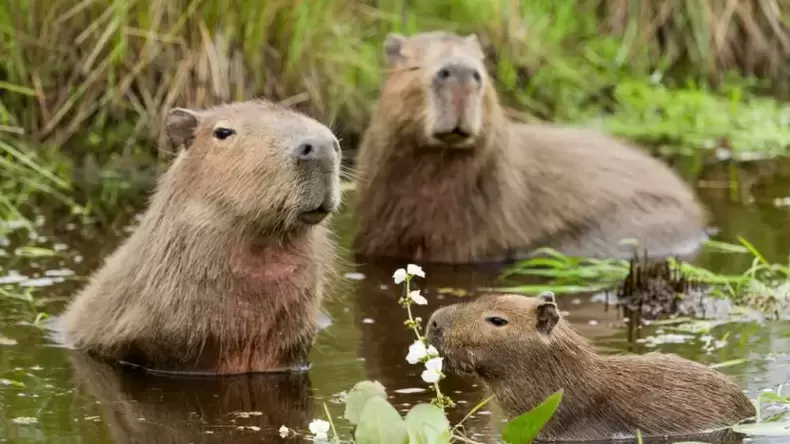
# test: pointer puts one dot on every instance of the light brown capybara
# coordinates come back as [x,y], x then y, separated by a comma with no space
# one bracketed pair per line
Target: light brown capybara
[523,351]
[225,272]
[445,177]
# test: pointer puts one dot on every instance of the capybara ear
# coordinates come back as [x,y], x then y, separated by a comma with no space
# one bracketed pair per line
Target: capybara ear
[547,296]
[180,127]
[393,48]
[547,317]
[474,42]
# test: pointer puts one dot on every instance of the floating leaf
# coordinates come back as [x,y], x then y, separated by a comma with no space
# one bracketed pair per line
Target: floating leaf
[427,424]
[29,251]
[359,396]
[12,383]
[7,341]
[379,422]
[524,428]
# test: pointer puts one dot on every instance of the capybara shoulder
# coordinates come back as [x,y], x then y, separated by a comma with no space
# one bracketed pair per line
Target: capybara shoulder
[523,350]
[226,270]
[446,177]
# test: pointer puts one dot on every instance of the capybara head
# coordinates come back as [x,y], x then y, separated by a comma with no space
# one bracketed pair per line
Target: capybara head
[441,79]
[257,161]
[492,332]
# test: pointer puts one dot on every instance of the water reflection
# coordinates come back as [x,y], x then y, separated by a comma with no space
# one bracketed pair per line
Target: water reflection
[143,408]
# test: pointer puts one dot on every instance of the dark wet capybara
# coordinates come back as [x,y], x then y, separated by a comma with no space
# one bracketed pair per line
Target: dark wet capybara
[524,351]
[226,271]
[445,177]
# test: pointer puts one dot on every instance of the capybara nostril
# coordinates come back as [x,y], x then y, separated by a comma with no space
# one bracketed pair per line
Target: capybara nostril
[458,72]
[315,149]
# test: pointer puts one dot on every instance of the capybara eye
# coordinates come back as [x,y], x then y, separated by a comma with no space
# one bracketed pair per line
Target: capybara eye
[223,133]
[496,321]
[476,76]
[444,73]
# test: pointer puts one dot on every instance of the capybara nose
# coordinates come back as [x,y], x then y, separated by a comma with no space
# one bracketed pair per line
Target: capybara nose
[320,151]
[458,72]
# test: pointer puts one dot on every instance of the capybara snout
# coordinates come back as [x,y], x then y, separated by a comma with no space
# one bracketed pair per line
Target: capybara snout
[456,91]
[317,161]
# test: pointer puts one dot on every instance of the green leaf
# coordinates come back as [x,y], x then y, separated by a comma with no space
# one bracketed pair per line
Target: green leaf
[524,428]
[427,424]
[29,251]
[379,422]
[729,363]
[359,396]
[781,428]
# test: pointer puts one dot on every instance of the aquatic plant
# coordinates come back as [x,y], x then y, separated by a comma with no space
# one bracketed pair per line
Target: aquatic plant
[764,285]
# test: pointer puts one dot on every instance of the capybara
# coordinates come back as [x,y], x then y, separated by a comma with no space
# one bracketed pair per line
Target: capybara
[445,177]
[524,351]
[226,271]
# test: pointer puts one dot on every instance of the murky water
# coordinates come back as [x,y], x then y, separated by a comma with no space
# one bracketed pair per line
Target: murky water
[53,395]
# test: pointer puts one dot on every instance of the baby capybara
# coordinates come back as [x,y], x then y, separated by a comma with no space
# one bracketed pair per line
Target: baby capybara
[524,351]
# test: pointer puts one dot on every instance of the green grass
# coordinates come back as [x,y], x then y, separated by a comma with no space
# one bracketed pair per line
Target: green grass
[93,78]
[764,285]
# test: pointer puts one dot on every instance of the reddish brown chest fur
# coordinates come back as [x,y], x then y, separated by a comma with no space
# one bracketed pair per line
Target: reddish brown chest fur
[434,201]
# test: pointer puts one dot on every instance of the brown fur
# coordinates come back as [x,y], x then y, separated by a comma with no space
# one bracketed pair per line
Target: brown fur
[538,353]
[222,275]
[507,189]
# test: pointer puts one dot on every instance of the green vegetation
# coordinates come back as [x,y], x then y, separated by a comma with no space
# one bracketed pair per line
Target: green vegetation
[87,82]
[764,285]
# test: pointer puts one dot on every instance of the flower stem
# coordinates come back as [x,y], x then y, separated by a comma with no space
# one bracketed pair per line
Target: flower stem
[407,302]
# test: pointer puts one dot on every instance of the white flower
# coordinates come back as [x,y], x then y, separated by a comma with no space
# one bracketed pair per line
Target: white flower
[417,298]
[417,352]
[433,371]
[284,431]
[415,270]
[319,428]
[399,275]
[432,352]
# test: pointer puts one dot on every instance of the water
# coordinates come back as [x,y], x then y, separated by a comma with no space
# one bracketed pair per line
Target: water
[54,395]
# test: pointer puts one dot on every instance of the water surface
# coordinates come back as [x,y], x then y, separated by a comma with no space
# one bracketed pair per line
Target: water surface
[49,394]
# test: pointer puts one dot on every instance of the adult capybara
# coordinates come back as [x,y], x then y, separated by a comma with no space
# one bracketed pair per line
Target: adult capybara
[523,351]
[226,271]
[445,177]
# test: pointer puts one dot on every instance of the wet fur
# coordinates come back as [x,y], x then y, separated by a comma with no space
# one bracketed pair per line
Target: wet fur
[604,396]
[218,277]
[520,187]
